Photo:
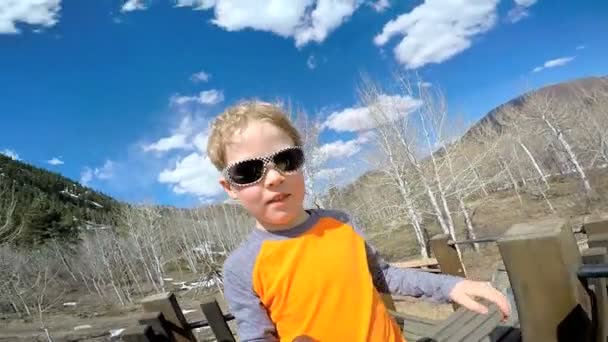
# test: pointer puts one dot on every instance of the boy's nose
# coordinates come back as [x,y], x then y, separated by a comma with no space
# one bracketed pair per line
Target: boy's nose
[273,177]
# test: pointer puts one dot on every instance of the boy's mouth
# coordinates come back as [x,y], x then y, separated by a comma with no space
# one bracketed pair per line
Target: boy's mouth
[278,198]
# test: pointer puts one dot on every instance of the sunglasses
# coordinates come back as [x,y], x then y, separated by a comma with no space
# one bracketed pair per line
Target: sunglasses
[250,171]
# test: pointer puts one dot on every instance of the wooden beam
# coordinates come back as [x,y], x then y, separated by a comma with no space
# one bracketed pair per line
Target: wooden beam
[417,263]
[216,321]
[542,260]
[447,256]
[598,255]
[596,225]
[167,304]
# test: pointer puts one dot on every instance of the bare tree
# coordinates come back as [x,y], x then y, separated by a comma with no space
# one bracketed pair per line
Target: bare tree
[557,119]
[8,204]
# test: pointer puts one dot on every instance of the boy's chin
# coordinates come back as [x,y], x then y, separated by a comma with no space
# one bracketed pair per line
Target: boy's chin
[281,218]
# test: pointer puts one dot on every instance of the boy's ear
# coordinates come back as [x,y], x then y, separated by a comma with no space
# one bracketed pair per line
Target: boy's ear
[228,188]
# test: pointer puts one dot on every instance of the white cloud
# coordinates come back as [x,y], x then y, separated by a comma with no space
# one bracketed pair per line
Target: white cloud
[340,149]
[525,3]
[311,62]
[107,171]
[11,154]
[197,4]
[520,11]
[33,12]
[181,137]
[554,63]
[193,174]
[424,84]
[133,5]
[207,97]
[200,141]
[437,30]
[329,174]
[200,76]
[176,141]
[355,119]
[55,161]
[211,97]
[580,47]
[86,175]
[304,20]
[380,5]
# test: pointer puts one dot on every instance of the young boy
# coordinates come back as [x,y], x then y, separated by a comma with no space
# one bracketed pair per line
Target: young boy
[307,272]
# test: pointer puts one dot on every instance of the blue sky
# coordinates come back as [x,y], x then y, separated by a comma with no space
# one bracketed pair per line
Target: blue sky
[118,94]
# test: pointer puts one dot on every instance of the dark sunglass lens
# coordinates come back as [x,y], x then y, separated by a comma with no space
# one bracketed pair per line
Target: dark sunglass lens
[247,171]
[289,160]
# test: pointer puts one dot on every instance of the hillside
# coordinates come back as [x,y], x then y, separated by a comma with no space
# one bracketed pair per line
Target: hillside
[561,92]
[44,205]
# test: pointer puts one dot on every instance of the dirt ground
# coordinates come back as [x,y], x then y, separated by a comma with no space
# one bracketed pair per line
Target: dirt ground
[491,216]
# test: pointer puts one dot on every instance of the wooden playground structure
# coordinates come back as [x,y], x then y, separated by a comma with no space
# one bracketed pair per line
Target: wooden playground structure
[556,285]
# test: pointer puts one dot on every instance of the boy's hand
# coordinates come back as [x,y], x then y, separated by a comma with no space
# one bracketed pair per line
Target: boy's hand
[465,291]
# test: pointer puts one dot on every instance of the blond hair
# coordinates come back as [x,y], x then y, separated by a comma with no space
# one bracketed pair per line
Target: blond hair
[238,117]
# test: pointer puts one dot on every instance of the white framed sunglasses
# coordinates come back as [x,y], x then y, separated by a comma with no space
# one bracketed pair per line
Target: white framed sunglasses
[250,171]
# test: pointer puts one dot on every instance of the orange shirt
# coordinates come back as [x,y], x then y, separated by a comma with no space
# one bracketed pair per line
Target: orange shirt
[315,279]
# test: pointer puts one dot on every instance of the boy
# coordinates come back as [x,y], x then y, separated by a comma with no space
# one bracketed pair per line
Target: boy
[306,272]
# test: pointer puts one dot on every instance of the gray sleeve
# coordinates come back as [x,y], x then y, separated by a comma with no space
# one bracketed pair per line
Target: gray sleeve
[403,281]
[407,281]
[253,323]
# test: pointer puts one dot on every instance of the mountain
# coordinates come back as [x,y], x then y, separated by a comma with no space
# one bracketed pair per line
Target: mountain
[560,92]
[37,205]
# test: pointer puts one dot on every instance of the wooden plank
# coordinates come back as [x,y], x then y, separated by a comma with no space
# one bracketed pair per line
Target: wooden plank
[477,328]
[140,333]
[542,260]
[417,263]
[414,327]
[167,304]
[598,240]
[450,326]
[447,256]
[598,255]
[595,225]
[216,321]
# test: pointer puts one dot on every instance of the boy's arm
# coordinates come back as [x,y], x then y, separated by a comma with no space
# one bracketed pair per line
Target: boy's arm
[407,281]
[253,323]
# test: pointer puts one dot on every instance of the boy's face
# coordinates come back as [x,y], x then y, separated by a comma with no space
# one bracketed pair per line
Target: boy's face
[276,201]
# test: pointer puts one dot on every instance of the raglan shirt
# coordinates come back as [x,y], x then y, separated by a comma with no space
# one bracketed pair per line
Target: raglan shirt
[320,279]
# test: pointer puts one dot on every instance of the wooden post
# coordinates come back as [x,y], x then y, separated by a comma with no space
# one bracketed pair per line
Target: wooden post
[447,256]
[158,323]
[140,333]
[217,323]
[542,260]
[167,304]
[597,255]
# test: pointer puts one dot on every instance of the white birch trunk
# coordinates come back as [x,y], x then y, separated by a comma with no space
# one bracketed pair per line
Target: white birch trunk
[571,155]
[533,160]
